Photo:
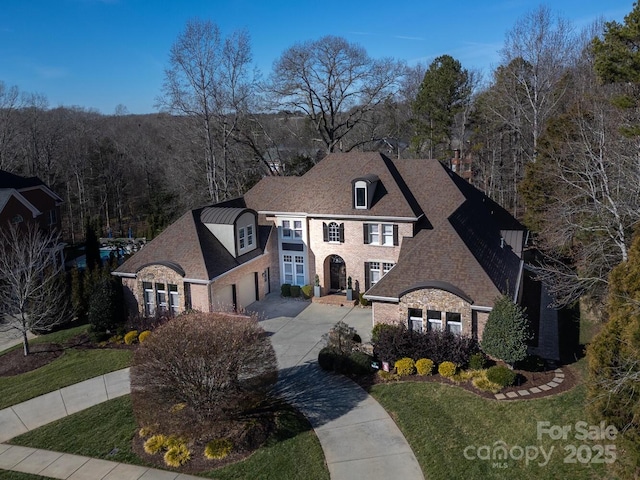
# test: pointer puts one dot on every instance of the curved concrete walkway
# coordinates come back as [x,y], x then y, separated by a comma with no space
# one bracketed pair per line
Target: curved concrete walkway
[357,435]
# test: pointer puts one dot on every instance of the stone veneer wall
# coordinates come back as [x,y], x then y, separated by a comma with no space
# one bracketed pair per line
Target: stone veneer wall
[425,299]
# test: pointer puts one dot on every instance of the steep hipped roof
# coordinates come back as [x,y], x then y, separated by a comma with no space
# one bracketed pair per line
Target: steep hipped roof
[326,189]
[188,246]
[461,247]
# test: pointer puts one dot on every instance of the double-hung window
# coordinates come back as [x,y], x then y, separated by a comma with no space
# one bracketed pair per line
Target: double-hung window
[286,229]
[434,320]
[454,323]
[149,304]
[415,319]
[297,229]
[241,237]
[334,232]
[288,268]
[374,233]
[387,234]
[173,298]
[374,273]
[249,235]
[161,297]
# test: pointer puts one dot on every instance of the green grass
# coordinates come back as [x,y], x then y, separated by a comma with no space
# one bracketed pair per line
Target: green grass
[440,421]
[292,453]
[74,366]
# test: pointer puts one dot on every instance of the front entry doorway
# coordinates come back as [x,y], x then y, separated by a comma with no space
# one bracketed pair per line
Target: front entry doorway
[337,273]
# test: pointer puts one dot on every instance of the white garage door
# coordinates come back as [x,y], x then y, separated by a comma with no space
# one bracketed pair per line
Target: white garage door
[246,290]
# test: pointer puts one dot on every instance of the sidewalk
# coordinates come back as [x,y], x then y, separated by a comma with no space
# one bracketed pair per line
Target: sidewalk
[358,437]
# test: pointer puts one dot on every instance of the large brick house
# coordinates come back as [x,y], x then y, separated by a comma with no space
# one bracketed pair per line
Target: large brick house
[28,201]
[424,246]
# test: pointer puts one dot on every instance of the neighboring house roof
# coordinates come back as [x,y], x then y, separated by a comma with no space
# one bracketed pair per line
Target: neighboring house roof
[188,247]
[326,189]
[7,193]
[461,245]
[17,182]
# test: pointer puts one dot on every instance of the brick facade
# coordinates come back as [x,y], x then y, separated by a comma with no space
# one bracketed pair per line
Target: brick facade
[353,251]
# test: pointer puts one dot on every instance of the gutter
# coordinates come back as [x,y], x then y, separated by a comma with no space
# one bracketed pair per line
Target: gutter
[381,299]
[339,216]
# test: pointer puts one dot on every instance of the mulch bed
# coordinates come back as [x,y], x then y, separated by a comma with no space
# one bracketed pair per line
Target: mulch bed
[15,363]
[524,381]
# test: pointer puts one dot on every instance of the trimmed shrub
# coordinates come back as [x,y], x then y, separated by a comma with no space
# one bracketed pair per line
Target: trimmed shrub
[447,369]
[295,291]
[507,332]
[285,289]
[143,336]
[218,449]
[405,366]
[359,363]
[424,366]
[327,358]
[482,383]
[154,444]
[307,291]
[501,375]
[477,361]
[177,456]
[378,328]
[131,337]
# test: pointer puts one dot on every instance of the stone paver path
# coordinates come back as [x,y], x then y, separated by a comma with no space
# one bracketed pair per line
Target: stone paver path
[547,387]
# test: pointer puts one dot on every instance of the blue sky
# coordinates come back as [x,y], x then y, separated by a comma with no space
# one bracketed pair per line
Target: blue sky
[101,53]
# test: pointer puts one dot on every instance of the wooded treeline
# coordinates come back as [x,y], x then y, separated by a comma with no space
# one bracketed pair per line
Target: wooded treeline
[547,134]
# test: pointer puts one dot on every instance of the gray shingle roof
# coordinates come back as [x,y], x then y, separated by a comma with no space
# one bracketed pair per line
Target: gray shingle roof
[189,246]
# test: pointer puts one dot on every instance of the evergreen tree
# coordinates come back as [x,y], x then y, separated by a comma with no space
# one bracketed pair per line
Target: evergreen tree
[443,93]
[507,331]
[106,305]
[92,247]
[614,364]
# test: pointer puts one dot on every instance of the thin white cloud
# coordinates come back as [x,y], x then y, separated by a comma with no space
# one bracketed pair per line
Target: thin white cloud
[404,37]
[49,72]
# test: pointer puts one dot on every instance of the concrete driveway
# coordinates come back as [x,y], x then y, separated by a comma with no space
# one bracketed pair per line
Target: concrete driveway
[358,437]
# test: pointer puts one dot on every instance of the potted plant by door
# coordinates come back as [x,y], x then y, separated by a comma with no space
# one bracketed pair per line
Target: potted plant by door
[316,286]
[349,290]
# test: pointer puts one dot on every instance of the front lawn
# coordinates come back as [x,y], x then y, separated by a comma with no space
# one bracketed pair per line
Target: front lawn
[75,365]
[106,431]
[450,428]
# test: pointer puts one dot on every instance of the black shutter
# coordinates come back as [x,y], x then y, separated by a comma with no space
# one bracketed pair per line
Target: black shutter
[325,232]
[342,233]
[365,232]
[395,235]
[366,276]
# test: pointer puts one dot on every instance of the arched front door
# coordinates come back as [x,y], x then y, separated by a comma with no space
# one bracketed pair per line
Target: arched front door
[337,273]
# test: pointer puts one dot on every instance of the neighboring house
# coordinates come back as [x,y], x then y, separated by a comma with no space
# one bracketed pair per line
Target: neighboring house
[425,247]
[27,200]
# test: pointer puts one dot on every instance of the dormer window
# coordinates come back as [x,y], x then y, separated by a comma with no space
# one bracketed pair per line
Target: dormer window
[363,191]
[361,195]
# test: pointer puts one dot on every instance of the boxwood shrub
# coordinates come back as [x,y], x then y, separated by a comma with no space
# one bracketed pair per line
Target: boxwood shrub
[447,369]
[424,366]
[405,366]
[285,289]
[501,375]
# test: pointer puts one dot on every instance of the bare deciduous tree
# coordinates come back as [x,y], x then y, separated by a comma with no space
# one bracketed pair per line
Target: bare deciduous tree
[208,80]
[33,294]
[214,366]
[335,84]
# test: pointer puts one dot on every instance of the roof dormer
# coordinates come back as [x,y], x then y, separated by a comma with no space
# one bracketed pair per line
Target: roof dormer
[363,191]
[235,228]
